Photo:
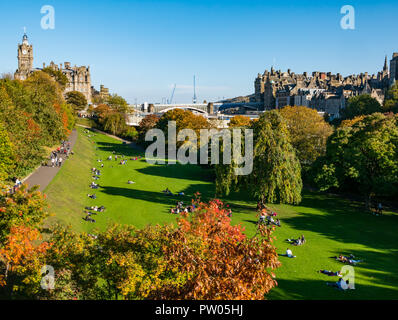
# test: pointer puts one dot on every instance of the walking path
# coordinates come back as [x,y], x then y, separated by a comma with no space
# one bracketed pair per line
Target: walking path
[44,174]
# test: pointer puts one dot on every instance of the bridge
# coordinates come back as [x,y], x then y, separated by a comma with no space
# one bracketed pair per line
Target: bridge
[201,108]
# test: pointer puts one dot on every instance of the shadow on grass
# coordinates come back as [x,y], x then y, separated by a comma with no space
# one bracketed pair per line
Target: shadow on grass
[345,221]
[160,197]
[179,171]
[120,149]
[318,290]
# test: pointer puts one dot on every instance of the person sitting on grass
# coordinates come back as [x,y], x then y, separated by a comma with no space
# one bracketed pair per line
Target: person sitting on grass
[277,223]
[288,254]
[350,259]
[341,284]
[94,185]
[331,273]
[88,219]
[92,196]
[297,242]
[262,218]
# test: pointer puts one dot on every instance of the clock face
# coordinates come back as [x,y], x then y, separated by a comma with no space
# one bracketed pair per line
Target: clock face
[24,52]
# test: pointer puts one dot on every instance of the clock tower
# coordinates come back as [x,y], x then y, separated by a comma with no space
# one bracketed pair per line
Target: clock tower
[25,59]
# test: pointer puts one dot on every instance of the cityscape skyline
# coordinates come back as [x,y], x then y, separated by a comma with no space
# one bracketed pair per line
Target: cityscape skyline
[145,65]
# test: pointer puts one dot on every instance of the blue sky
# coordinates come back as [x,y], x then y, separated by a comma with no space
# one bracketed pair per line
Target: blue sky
[139,49]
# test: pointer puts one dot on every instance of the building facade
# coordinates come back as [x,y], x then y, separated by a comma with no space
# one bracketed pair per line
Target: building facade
[79,78]
[325,92]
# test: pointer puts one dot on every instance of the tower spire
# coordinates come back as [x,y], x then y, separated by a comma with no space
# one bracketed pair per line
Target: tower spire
[386,65]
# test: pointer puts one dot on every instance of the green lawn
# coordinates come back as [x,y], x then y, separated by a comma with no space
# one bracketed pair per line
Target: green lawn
[331,225]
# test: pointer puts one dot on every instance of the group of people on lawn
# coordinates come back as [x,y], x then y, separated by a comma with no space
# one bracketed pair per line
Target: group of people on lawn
[179,208]
[268,218]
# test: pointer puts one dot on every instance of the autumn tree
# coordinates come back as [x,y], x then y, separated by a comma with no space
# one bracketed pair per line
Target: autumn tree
[102,111]
[149,122]
[203,257]
[21,261]
[184,119]
[276,175]
[34,115]
[214,260]
[308,132]
[239,121]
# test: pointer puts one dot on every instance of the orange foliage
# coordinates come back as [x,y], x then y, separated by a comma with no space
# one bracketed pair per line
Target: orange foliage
[20,252]
[219,261]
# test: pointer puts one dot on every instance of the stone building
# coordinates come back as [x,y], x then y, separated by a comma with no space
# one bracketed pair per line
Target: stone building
[323,91]
[394,69]
[79,78]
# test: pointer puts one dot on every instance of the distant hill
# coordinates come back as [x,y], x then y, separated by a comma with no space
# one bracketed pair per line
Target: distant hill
[249,98]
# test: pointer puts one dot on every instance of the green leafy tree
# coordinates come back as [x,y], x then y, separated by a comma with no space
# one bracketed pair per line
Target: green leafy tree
[391,99]
[360,105]
[115,123]
[7,158]
[276,175]
[58,76]
[76,99]
[362,158]
[118,103]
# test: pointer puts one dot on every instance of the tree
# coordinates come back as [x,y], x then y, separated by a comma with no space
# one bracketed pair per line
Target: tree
[117,103]
[34,115]
[391,99]
[203,257]
[308,132]
[351,122]
[21,260]
[239,121]
[214,260]
[22,207]
[184,119]
[76,99]
[360,105]
[58,76]
[276,175]
[362,158]
[149,122]
[115,123]
[102,111]
[7,157]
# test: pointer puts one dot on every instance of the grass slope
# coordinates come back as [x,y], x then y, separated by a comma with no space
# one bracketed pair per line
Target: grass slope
[331,225]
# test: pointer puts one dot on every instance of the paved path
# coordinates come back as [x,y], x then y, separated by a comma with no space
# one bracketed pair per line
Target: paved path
[44,175]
